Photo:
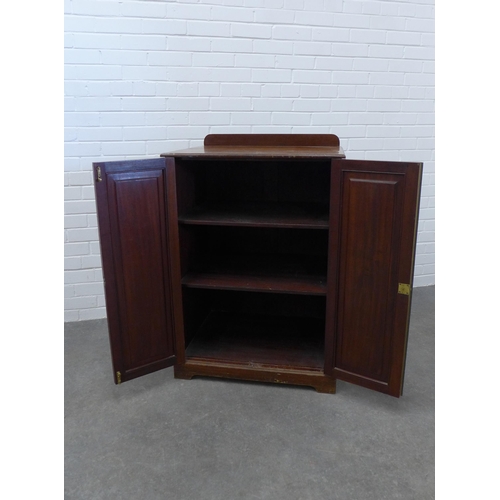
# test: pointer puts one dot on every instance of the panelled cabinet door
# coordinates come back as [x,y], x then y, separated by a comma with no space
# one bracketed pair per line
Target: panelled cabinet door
[135,201]
[373,221]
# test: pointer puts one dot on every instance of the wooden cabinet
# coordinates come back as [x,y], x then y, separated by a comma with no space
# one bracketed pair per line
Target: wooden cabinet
[260,257]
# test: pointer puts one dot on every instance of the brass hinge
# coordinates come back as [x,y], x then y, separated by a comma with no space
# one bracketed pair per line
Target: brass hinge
[404,289]
[99,177]
[118,378]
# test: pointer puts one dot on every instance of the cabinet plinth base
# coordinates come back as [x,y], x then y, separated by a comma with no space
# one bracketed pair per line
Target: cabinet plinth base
[318,380]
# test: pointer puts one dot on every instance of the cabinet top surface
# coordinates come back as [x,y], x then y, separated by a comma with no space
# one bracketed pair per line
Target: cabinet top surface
[260,152]
[265,146]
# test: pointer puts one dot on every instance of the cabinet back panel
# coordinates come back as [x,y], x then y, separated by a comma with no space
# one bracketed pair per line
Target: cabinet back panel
[264,241]
[245,181]
[254,250]
[258,303]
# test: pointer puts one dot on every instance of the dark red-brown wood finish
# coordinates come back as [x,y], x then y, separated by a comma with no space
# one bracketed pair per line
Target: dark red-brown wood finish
[373,224]
[244,146]
[260,257]
[136,211]
[274,140]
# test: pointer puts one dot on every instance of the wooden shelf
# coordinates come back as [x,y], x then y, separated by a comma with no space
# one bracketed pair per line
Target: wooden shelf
[306,286]
[261,272]
[261,214]
[252,340]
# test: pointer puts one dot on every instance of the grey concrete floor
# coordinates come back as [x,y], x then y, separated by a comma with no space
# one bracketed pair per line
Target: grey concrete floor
[209,439]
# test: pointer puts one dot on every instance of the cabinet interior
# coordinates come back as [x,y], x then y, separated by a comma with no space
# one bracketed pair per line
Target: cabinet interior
[255,328]
[254,193]
[254,250]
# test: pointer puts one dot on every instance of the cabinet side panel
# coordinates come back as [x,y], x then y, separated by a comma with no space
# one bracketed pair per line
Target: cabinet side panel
[369,253]
[174,257]
[138,233]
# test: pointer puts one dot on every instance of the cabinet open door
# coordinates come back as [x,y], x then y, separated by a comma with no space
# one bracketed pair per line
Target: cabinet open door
[373,222]
[136,205]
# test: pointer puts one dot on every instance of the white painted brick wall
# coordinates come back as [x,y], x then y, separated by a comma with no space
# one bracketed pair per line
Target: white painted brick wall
[147,77]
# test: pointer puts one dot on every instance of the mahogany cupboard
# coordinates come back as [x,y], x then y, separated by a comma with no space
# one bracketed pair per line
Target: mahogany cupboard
[260,257]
